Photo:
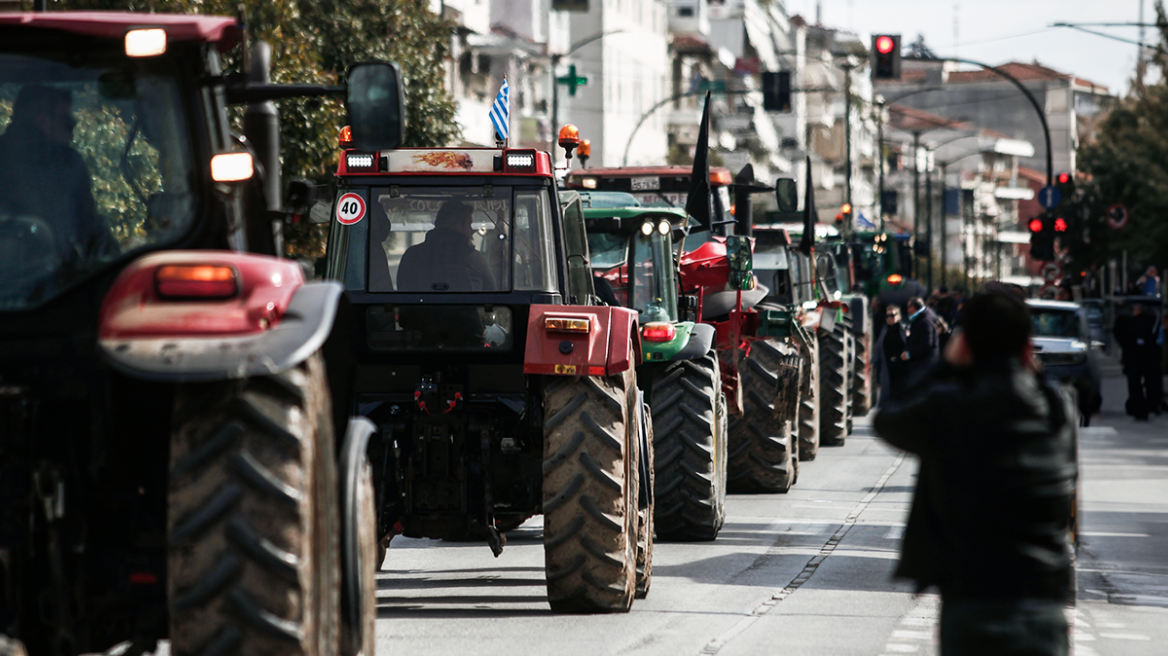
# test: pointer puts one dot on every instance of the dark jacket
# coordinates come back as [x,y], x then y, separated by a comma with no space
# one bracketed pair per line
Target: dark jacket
[992,504]
[922,343]
[885,362]
[1137,336]
[445,261]
[51,182]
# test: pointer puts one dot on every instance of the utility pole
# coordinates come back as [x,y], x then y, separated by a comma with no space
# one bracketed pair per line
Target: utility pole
[929,217]
[880,158]
[916,197]
[848,149]
[944,225]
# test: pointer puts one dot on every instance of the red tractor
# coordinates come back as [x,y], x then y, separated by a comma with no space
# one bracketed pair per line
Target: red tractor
[501,388]
[170,463]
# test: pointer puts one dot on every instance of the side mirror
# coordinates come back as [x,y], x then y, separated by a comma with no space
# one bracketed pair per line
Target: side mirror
[297,195]
[787,193]
[741,262]
[376,102]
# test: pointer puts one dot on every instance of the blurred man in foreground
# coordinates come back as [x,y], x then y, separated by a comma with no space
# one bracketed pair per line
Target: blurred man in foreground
[991,511]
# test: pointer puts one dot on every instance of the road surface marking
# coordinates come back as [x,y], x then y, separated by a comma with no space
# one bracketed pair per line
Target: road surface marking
[894,533]
[716,645]
[1124,636]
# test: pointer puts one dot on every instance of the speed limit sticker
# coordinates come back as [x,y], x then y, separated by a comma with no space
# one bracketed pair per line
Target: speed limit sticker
[350,209]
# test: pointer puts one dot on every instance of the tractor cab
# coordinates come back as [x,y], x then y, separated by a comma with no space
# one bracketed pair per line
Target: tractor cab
[470,234]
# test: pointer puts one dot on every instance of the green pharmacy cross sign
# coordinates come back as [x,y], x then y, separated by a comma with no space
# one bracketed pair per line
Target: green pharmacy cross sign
[572,80]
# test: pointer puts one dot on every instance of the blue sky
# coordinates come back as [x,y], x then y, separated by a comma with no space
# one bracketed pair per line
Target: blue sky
[996,31]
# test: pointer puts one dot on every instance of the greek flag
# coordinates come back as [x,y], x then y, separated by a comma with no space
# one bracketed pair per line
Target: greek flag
[501,112]
[865,223]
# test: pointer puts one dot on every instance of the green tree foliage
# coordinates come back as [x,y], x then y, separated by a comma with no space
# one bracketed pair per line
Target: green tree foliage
[1128,163]
[315,43]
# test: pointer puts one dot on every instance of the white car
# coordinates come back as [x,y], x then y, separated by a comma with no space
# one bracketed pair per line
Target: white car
[1061,341]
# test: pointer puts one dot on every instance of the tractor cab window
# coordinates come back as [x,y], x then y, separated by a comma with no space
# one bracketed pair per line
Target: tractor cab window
[654,286]
[772,265]
[95,164]
[445,240]
[581,288]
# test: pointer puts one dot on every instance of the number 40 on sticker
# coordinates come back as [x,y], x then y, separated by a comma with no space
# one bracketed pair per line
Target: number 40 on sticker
[350,209]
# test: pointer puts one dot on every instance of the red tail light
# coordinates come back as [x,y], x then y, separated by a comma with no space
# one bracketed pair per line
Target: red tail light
[201,281]
[895,279]
[658,331]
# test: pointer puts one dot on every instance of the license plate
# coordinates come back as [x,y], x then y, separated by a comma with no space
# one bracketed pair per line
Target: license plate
[645,184]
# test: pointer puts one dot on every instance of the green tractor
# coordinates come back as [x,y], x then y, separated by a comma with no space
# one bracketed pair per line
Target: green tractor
[633,266]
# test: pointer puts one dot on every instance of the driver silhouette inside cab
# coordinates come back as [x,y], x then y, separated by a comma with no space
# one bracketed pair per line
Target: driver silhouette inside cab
[42,176]
[447,260]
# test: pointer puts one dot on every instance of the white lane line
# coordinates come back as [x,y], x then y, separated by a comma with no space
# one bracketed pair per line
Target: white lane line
[1101,534]
[716,645]
[901,648]
[1124,636]
[894,533]
[912,635]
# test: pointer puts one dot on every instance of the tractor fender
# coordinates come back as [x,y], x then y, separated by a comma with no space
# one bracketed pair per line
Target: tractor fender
[610,344]
[701,340]
[858,309]
[274,322]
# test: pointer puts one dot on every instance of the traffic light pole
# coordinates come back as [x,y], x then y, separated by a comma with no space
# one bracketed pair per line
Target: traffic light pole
[1033,101]
[848,150]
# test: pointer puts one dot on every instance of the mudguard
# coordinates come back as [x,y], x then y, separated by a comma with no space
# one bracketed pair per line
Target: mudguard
[858,309]
[275,322]
[701,340]
[611,344]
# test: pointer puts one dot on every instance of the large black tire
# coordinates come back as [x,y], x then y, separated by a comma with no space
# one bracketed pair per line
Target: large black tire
[253,522]
[371,559]
[689,450]
[833,386]
[645,527]
[862,381]
[809,403]
[850,359]
[762,446]
[590,494]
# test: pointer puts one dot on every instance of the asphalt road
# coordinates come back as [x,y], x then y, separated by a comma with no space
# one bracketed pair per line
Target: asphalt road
[803,573]
[808,571]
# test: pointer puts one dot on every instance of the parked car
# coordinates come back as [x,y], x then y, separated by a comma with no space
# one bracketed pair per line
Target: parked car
[1062,343]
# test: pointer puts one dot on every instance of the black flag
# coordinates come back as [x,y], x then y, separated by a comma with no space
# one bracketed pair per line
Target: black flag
[698,203]
[807,244]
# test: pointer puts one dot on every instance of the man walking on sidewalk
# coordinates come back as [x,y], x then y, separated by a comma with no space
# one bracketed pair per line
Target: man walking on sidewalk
[991,510]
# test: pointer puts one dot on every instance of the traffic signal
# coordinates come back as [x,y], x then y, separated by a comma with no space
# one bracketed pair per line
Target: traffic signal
[776,91]
[886,57]
[1060,224]
[1042,237]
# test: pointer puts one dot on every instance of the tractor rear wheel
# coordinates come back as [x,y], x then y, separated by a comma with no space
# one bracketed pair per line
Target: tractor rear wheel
[762,442]
[689,452]
[253,521]
[862,381]
[809,398]
[833,386]
[645,526]
[590,493]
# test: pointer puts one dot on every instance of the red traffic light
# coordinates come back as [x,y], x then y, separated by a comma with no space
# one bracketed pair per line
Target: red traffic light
[884,44]
[1064,177]
[1035,225]
[1060,225]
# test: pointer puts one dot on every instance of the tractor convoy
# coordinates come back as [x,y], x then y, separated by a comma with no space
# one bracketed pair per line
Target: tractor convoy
[488,345]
